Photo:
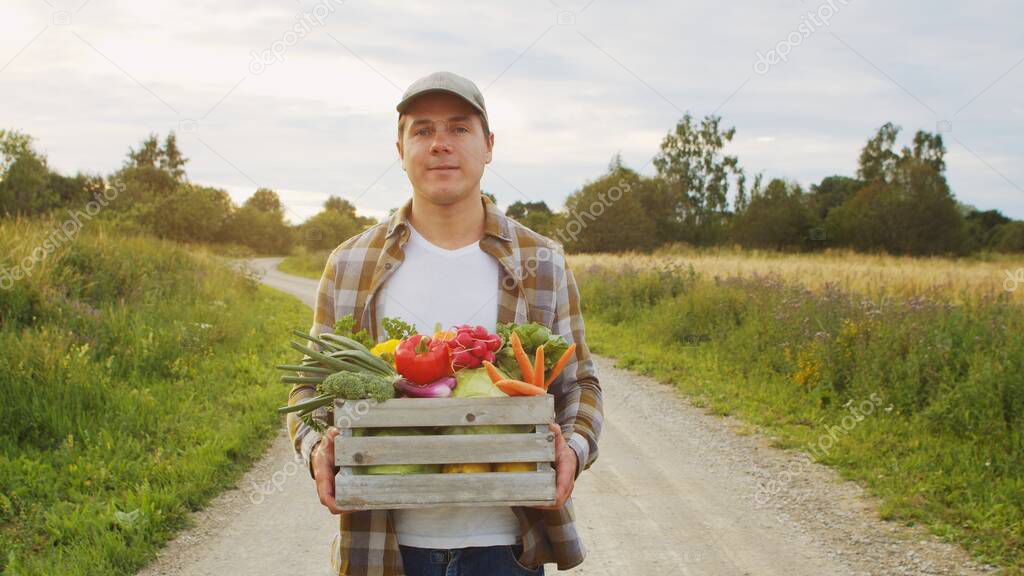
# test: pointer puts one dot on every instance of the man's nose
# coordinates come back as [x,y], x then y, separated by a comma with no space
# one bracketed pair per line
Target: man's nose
[441,139]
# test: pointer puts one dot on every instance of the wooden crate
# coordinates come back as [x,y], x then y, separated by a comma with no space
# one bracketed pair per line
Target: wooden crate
[356,491]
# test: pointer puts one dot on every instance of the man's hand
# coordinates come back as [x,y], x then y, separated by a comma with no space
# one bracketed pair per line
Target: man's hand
[565,469]
[324,470]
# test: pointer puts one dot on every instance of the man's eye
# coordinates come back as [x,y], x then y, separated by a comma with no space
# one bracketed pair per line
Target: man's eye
[462,129]
[421,132]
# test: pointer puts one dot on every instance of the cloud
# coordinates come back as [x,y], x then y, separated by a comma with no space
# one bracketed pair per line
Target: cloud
[566,88]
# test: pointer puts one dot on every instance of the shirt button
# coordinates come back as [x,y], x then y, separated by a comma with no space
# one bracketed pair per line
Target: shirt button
[387,266]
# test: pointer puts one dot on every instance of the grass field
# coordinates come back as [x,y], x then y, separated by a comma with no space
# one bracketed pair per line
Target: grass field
[138,383]
[918,399]
[872,275]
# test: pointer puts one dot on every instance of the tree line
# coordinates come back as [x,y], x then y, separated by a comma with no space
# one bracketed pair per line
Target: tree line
[897,202]
[155,196]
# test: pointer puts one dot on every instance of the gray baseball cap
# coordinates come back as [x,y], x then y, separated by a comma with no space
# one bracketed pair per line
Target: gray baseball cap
[445,82]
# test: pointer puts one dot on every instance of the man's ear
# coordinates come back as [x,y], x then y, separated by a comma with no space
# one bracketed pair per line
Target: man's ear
[490,148]
[401,153]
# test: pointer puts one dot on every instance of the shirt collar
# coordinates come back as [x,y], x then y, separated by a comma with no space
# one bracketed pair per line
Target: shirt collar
[495,222]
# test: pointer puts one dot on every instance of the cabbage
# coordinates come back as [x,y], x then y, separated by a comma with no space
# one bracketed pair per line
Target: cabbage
[473,383]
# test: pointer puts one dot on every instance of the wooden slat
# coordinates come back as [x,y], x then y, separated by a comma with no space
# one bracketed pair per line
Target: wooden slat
[448,449]
[426,490]
[444,411]
[544,466]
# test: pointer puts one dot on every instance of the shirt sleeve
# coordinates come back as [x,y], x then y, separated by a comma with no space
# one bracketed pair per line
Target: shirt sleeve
[578,401]
[304,438]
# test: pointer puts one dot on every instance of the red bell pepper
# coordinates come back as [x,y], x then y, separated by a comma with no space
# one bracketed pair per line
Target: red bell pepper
[421,359]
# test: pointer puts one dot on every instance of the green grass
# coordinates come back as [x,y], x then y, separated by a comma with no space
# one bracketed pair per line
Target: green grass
[303,262]
[919,401]
[138,383]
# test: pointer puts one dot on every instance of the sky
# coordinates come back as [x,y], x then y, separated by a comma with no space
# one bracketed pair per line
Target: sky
[299,96]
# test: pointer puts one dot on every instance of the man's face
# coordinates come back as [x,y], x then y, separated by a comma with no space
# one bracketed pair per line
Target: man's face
[443,147]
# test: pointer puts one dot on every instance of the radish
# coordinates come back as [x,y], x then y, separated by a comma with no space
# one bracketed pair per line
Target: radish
[472,345]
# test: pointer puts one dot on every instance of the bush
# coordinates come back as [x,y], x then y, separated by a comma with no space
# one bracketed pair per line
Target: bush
[138,383]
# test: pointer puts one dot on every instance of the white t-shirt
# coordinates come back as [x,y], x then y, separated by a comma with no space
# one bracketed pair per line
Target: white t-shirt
[452,287]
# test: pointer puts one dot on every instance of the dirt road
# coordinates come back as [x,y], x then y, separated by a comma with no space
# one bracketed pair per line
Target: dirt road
[674,491]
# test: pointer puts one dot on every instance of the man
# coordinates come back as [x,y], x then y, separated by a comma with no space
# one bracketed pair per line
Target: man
[450,256]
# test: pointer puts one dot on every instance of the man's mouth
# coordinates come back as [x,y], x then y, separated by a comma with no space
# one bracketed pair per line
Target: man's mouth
[445,167]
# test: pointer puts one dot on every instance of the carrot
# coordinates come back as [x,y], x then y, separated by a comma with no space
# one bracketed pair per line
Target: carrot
[492,372]
[518,388]
[524,361]
[566,356]
[538,367]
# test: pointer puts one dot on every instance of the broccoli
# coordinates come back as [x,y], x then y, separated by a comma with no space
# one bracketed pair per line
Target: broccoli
[358,386]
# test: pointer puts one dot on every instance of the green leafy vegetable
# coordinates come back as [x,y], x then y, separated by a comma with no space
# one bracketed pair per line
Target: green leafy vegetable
[346,326]
[394,328]
[397,329]
[532,335]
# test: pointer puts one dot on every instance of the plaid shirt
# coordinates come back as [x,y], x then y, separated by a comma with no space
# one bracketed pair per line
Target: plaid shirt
[535,285]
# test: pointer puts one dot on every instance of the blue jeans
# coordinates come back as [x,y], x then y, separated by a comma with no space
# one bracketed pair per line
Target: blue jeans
[471,561]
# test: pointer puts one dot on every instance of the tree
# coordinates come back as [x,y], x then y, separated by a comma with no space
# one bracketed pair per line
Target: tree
[778,218]
[147,156]
[606,216]
[74,190]
[266,200]
[832,192]
[260,224]
[150,174]
[927,217]
[981,228]
[337,222]
[24,177]
[191,213]
[1009,237]
[534,215]
[877,158]
[906,206]
[656,198]
[171,160]
[262,231]
[698,174]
